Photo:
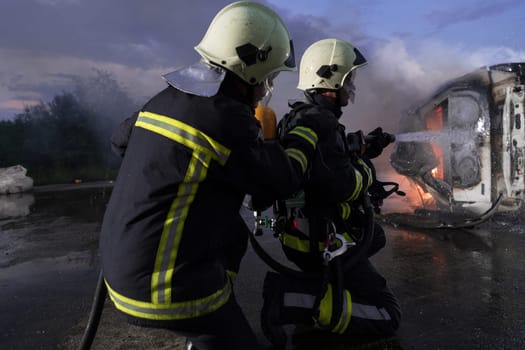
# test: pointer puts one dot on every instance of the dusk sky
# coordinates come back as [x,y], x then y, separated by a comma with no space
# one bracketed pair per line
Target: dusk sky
[412,46]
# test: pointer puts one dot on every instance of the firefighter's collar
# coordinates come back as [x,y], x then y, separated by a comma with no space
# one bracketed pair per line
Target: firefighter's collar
[323,101]
[199,79]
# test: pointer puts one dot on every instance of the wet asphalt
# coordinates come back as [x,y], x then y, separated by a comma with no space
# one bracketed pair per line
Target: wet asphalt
[458,289]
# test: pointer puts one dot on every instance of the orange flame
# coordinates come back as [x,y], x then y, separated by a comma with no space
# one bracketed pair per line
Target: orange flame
[435,123]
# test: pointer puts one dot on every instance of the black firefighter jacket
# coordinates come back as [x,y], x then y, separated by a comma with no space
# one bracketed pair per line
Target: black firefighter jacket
[334,175]
[335,181]
[172,225]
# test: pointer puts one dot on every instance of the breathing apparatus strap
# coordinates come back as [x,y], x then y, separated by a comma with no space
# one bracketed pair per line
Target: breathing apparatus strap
[332,274]
[335,267]
[278,267]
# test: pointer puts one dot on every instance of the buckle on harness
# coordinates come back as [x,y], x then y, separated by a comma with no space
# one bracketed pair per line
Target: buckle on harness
[332,250]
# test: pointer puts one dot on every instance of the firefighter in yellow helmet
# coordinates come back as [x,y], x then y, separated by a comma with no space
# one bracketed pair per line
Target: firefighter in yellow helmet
[355,300]
[172,237]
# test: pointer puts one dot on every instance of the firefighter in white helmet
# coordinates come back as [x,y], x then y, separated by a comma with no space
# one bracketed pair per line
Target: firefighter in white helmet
[172,237]
[336,182]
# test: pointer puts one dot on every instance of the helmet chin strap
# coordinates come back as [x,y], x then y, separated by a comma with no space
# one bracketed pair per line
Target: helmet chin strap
[338,97]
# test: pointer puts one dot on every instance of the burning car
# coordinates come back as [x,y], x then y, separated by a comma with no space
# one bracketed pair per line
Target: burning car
[463,147]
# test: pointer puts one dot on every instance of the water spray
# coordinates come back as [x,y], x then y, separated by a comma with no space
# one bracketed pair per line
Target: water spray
[441,137]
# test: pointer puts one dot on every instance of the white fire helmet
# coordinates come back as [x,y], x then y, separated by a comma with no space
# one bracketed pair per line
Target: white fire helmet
[250,40]
[326,64]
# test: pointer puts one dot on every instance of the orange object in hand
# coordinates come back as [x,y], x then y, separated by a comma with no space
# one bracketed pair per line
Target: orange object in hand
[266,116]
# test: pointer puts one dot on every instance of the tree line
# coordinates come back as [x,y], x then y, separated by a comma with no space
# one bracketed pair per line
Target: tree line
[68,138]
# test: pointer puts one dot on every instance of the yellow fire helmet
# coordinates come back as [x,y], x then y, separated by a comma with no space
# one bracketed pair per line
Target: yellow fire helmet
[250,40]
[326,64]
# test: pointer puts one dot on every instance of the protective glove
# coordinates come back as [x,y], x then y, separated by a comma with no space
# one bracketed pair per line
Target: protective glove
[376,141]
[356,142]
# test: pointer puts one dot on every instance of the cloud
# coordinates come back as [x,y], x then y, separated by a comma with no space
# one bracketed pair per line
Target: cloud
[138,42]
[133,32]
[46,75]
[444,18]
[57,2]
[132,39]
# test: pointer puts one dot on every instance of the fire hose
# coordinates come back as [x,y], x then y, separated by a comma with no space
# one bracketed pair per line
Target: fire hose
[95,313]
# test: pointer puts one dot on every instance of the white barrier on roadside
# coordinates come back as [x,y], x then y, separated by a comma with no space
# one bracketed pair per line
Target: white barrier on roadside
[14,180]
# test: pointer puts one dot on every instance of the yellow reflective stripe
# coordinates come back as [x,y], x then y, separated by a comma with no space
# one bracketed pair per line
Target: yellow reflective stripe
[325,307]
[232,275]
[346,314]
[367,170]
[326,310]
[296,243]
[298,156]
[306,133]
[358,187]
[174,226]
[173,310]
[347,237]
[205,149]
[184,134]
[346,210]
[338,243]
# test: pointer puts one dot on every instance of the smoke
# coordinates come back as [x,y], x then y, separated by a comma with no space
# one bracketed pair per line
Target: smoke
[397,78]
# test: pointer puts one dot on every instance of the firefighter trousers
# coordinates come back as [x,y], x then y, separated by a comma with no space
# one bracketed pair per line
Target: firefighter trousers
[224,329]
[374,308]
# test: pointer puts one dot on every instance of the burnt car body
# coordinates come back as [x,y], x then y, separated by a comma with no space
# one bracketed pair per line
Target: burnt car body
[465,145]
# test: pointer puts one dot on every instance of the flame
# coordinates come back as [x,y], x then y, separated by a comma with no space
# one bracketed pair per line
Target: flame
[416,196]
[434,121]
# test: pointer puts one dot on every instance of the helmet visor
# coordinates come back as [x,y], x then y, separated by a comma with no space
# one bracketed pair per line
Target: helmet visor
[349,86]
[199,79]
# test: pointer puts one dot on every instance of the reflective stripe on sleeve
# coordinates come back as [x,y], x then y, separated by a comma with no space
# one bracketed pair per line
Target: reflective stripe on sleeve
[346,210]
[368,171]
[358,187]
[299,156]
[305,133]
